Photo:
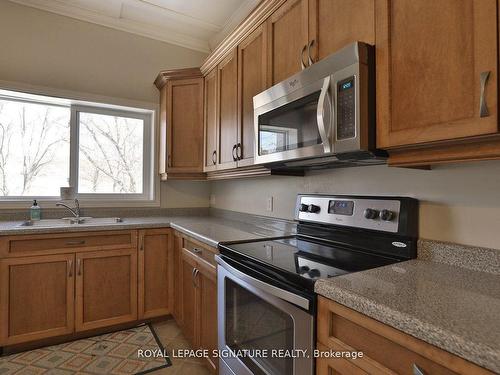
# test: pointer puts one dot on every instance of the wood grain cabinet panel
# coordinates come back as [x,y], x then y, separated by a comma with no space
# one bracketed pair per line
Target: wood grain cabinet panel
[252,79]
[228,114]
[177,284]
[333,24]
[155,257]
[430,57]
[36,298]
[211,120]
[189,299]
[288,33]
[385,349]
[106,288]
[207,284]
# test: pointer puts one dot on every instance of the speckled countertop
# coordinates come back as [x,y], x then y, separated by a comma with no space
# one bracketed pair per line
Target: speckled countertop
[454,308]
[208,229]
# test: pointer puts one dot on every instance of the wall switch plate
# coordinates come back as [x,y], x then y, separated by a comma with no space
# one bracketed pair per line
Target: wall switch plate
[269,204]
[212,200]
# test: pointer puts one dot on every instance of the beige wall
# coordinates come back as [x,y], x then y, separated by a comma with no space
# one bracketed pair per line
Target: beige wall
[459,203]
[42,49]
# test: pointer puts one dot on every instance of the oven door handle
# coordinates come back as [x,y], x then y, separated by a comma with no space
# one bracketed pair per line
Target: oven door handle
[323,115]
[267,288]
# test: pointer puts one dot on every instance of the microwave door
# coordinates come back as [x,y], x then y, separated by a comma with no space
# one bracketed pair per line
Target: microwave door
[324,115]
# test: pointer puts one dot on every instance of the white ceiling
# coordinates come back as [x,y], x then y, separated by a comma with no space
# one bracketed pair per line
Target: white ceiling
[195,24]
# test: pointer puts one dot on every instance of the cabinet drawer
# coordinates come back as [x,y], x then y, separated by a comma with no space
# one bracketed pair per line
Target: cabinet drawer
[204,252]
[386,350]
[61,242]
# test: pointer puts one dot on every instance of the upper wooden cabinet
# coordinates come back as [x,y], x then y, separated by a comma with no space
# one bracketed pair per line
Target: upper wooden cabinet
[211,121]
[333,24]
[252,79]
[436,70]
[288,36]
[181,124]
[228,111]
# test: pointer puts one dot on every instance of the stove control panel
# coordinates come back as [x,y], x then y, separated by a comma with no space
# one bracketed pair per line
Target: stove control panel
[380,214]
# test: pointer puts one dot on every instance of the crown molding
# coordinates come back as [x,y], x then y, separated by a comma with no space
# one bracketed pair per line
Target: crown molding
[162,34]
[166,75]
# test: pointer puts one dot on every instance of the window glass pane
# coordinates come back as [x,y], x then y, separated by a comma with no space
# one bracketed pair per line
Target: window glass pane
[34,148]
[110,154]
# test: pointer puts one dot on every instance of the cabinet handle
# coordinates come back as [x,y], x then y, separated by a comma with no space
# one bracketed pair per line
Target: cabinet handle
[196,250]
[483,108]
[141,244]
[192,276]
[72,243]
[196,285]
[169,161]
[303,66]
[70,268]
[239,152]
[417,370]
[79,266]
[309,58]
[214,157]
[232,152]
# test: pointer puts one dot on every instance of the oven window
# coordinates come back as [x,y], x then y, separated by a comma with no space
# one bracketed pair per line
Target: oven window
[254,324]
[289,127]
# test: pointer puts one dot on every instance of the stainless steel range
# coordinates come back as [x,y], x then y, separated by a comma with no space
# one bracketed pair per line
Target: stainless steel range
[266,300]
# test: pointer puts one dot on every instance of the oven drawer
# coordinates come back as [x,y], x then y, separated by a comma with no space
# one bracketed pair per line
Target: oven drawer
[38,244]
[386,350]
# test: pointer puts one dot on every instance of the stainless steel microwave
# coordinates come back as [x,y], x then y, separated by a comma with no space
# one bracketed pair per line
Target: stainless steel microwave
[322,116]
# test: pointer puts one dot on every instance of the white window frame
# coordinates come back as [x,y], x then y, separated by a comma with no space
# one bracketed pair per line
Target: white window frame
[150,181]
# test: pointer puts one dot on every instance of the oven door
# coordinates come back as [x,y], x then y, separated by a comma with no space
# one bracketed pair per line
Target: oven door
[255,317]
[296,125]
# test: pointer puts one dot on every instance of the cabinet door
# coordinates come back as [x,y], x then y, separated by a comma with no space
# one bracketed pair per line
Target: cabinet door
[252,79]
[177,272]
[189,298]
[185,125]
[36,298]
[155,272]
[430,58]
[106,288]
[207,283]
[211,120]
[333,24]
[228,116]
[287,36]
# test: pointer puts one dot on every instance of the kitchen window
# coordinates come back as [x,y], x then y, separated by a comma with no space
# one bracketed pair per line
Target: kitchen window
[104,152]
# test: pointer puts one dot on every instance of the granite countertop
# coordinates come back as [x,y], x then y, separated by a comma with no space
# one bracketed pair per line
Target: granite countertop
[453,308]
[208,229]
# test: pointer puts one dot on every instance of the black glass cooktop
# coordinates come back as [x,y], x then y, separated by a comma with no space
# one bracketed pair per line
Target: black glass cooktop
[305,257]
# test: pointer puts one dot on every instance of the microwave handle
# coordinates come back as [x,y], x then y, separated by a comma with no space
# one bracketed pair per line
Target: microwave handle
[323,115]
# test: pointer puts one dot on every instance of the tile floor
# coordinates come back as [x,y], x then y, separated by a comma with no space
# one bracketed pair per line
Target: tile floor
[171,337]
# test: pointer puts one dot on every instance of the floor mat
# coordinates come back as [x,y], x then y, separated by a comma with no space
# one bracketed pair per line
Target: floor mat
[112,353]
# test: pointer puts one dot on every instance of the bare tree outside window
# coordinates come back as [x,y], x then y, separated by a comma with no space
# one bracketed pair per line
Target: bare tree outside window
[110,154]
[34,148]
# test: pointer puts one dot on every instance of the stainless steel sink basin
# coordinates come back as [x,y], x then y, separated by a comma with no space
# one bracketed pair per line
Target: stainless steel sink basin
[69,221]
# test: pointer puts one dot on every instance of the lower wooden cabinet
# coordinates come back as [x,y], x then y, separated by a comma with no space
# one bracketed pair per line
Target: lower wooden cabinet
[106,288]
[36,298]
[197,275]
[385,349]
[91,281]
[155,257]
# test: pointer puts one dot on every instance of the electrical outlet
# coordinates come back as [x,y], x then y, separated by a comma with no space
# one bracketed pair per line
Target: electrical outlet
[212,200]
[269,206]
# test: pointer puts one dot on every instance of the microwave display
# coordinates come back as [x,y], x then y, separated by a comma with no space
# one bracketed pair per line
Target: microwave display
[346,104]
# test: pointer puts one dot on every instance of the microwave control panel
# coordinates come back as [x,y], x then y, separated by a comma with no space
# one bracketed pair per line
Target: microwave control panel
[346,109]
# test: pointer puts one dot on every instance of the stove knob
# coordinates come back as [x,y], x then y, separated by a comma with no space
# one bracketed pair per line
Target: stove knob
[303,207]
[386,215]
[371,213]
[314,273]
[313,208]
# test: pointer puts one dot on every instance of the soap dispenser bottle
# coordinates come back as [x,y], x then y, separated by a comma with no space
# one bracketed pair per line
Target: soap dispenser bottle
[35,211]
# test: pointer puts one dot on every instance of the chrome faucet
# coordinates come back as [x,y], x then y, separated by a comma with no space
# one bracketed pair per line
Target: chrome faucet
[75,211]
